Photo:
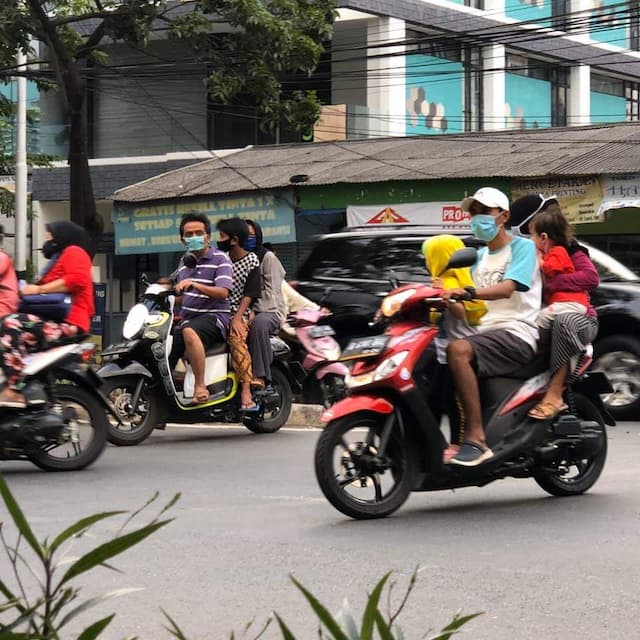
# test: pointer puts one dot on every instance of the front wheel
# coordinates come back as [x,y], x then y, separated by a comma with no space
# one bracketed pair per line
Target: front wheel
[84,436]
[137,421]
[277,405]
[354,478]
[576,468]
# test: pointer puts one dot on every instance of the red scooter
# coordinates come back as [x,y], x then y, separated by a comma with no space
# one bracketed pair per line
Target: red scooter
[317,353]
[384,440]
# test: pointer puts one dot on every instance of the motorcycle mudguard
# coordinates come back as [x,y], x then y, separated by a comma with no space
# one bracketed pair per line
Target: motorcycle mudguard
[336,368]
[355,404]
[112,370]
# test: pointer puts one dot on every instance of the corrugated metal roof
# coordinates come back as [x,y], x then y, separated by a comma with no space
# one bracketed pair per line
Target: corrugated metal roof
[607,148]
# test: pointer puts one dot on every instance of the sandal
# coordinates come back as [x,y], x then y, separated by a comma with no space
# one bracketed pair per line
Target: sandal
[249,408]
[546,410]
[201,398]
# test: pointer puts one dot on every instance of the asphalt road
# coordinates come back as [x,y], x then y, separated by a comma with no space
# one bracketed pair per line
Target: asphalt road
[251,514]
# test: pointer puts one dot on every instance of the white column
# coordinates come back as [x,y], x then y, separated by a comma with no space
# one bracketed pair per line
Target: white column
[579,96]
[493,87]
[386,82]
[20,257]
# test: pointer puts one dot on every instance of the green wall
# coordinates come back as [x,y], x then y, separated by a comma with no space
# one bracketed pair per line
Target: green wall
[338,196]
[618,221]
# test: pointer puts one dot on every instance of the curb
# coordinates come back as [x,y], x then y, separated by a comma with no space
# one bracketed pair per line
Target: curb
[305,416]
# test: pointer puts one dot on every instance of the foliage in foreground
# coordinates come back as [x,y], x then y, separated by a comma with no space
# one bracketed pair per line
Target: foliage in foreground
[48,569]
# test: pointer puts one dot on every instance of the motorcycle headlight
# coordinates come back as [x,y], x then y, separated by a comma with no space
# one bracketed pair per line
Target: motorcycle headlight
[385,369]
[391,304]
[135,321]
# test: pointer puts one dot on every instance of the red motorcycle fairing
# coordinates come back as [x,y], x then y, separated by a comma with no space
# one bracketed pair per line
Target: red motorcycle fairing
[353,404]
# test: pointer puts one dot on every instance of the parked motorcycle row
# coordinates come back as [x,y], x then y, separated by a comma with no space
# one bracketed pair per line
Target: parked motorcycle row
[382,437]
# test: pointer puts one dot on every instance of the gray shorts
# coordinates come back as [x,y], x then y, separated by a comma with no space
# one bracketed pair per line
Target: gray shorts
[498,353]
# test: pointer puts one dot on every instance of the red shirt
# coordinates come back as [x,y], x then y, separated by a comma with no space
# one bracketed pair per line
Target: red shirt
[556,262]
[74,267]
[9,299]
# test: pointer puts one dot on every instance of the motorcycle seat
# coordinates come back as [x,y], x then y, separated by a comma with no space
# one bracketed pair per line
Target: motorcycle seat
[217,349]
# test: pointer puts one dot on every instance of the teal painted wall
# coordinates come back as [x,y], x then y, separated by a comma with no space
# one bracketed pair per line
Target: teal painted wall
[608,24]
[529,100]
[434,90]
[607,108]
[525,10]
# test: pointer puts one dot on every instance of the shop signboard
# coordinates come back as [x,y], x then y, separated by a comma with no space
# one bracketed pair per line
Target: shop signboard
[580,197]
[446,215]
[155,228]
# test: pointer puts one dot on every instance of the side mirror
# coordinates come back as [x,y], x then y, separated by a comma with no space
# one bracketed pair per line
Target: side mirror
[462,258]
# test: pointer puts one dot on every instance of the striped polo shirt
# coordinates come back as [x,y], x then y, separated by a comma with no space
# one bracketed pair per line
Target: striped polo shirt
[214,269]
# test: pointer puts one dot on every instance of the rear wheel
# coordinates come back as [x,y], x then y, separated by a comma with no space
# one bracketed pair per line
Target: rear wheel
[83,438]
[137,421]
[576,468]
[353,477]
[277,406]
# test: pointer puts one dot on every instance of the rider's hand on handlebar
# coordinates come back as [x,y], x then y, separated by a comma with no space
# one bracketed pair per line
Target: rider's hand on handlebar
[456,294]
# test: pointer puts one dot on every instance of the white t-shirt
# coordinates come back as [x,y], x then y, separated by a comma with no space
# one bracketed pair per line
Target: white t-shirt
[517,314]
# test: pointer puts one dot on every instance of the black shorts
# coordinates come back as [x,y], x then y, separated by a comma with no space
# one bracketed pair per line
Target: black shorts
[207,329]
[498,353]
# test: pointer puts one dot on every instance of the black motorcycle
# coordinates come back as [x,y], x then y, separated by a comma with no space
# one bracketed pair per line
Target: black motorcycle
[64,425]
[147,394]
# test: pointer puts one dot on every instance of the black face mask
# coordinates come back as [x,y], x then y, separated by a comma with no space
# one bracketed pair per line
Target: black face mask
[49,248]
[224,245]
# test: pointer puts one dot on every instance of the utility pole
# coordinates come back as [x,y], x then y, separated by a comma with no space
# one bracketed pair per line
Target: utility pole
[20,253]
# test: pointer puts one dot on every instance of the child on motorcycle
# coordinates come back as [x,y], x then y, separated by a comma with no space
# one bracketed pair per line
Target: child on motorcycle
[459,319]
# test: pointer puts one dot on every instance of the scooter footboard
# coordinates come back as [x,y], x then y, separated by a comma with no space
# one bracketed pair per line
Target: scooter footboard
[355,404]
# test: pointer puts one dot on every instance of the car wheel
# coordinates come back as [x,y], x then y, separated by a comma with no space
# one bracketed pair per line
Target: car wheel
[619,358]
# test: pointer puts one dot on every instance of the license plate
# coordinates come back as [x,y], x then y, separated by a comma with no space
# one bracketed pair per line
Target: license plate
[119,349]
[364,347]
[321,331]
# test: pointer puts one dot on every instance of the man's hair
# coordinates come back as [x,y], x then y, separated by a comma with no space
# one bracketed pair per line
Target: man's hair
[235,228]
[552,222]
[195,217]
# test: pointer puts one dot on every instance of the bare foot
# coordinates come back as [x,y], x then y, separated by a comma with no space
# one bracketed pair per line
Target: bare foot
[201,394]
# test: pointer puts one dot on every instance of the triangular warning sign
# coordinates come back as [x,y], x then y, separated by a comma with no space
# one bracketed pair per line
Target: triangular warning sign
[387,216]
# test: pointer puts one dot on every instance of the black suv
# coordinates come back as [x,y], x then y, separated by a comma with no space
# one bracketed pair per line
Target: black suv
[351,271]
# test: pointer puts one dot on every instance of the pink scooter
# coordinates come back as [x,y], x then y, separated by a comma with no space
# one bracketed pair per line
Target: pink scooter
[316,351]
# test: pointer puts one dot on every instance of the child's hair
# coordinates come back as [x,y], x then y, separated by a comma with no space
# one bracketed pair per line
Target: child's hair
[552,222]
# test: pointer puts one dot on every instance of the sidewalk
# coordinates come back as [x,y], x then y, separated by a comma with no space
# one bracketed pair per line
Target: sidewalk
[305,415]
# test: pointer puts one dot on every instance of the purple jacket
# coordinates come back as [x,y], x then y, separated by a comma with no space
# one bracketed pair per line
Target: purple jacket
[585,277]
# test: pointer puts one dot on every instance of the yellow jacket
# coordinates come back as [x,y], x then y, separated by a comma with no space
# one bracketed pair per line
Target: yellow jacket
[437,252]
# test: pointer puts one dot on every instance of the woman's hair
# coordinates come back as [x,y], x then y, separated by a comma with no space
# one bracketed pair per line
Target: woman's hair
[235,228]
[552,222]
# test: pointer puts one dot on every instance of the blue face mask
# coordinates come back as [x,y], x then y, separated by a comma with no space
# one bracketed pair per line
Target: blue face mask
[195,243]
[484,227]
[251,243]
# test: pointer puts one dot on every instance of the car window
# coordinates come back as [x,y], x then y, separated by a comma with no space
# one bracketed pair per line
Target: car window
[609,269]
[379,259]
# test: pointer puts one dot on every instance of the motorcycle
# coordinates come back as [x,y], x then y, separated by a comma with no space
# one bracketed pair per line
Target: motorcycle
[316,353]
[64,425]
[384,441]
[147,394]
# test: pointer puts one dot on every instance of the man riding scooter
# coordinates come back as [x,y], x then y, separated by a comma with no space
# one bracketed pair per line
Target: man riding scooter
[506,276]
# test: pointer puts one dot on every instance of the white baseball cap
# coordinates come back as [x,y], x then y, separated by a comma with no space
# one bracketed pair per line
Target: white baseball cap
[489,197]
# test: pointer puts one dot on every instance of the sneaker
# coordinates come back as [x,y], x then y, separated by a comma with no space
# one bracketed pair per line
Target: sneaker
[471,455]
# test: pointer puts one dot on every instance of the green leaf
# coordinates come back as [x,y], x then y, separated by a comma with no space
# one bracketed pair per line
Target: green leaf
[383,628]
[92,602]
[110,549]
[19,519]
[80,526]
[366,631]
[94,630]
[174,629]
[322,613]
[286,632]
[454,626]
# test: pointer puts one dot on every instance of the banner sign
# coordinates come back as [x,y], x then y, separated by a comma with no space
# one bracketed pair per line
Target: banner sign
[444,215]
[620,191]
[579,197]
[155,229]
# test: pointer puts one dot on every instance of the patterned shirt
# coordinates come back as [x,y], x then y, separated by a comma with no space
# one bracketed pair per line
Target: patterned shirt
[212,269]
[246,280]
